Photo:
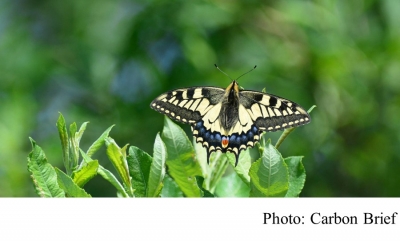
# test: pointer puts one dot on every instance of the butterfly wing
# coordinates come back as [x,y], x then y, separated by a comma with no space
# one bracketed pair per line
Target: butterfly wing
[197,106]
[188,105]
[271,112]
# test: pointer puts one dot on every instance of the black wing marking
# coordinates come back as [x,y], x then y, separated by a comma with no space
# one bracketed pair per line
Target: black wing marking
[188,105]
[271,112]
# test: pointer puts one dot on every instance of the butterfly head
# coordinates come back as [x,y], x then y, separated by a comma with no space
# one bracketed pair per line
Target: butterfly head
[232,91]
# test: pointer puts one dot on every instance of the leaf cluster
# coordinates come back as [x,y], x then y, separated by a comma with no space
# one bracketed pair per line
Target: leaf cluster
[177,168]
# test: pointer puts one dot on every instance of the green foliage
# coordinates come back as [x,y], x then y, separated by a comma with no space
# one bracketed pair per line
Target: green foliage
[269,174]
[204,192]
[297,175]
[69,186]
[117,156]
[43,174]
[109,176]
[139,163]
[189,175]
[99,142]
[180,161]
[50,181]
[62,131]
[87,172]
[242,169]
[171,189]
[157,168]
[232,185]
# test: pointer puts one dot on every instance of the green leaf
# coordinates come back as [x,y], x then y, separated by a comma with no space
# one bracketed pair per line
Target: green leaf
[269,175]
[180,161]
[232,186]
[200,181]
[107,175]
[170,189]
[157,169]
[79,134]
[69,186]
[212,172]
[62,131]
[74,147]
[73,128]
[139,163]
[218,165]
[243,166]
[86,158]
[86,173]
[117,157]
[42,173]
[99,142]
[297,175]
[201,157]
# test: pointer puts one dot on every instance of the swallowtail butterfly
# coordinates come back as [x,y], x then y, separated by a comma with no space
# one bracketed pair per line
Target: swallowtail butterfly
[231,119]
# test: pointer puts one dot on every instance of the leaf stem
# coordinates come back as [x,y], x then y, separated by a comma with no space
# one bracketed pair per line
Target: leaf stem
[286,132]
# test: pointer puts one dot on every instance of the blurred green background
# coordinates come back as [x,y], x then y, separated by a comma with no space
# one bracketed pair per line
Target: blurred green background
[104,61]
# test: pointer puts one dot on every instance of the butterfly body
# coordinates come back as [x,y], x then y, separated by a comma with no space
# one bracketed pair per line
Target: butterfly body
[229,120]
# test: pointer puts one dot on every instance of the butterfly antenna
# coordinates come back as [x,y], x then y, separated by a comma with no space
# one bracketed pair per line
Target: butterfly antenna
[222,71]
[247,72]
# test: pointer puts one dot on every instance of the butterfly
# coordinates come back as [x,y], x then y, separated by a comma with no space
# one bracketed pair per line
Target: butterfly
[231,119]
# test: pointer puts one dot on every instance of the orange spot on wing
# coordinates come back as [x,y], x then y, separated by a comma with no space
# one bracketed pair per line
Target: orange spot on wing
[224,142]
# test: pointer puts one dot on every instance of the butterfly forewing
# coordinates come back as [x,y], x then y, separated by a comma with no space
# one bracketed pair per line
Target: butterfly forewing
[188,105]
